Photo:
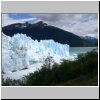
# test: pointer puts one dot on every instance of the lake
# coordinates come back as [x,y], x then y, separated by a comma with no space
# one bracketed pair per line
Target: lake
[74,51]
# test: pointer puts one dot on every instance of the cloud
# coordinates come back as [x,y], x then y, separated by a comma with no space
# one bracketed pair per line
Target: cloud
[6,20]
[28,19]
[79,24]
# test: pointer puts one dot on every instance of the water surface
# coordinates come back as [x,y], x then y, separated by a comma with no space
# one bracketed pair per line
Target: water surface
[74,51]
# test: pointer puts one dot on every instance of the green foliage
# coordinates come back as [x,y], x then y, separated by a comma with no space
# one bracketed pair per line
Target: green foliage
[11,82]
[81,72]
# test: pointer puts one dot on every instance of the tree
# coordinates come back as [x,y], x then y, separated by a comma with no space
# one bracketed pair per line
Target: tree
[48,62]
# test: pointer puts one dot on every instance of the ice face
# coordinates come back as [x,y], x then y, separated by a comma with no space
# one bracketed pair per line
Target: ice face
[21,52]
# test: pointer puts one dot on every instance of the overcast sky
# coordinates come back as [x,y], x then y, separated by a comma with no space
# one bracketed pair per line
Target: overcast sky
[79,24]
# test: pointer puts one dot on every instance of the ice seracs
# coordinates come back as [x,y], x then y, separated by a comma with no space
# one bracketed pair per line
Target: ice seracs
[21,52]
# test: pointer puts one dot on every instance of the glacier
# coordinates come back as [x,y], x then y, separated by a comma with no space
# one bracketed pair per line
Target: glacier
[22,55]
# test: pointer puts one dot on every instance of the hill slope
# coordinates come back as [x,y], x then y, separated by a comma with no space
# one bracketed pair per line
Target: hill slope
[42,31]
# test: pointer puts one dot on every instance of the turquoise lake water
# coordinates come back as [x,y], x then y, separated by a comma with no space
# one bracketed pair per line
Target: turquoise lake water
[74,51]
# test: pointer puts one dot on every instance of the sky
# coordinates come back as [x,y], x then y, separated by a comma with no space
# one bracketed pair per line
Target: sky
[79,24]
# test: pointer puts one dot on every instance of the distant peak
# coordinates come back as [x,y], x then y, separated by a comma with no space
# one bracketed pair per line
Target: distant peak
[41,23]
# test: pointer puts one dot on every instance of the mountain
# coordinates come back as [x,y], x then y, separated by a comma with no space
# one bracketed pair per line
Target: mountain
[21,52]
[42,31]
[92,40]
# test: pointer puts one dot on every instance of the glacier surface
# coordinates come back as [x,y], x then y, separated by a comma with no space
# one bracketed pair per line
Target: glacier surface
[22,55]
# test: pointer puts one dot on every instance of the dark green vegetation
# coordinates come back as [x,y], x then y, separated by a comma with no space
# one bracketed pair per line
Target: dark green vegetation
[81,72]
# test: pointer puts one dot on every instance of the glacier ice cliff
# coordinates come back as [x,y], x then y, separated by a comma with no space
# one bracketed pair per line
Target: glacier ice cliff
[21,52]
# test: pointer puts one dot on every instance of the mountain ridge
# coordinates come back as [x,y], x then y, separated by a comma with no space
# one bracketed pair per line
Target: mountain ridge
[42,31]
[93,40]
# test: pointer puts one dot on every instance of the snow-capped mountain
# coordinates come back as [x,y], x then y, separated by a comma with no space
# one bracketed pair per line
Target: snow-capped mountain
[92,40]
[21,52]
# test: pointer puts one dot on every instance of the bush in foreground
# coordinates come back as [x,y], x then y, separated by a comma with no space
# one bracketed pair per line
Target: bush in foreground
[81,72]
